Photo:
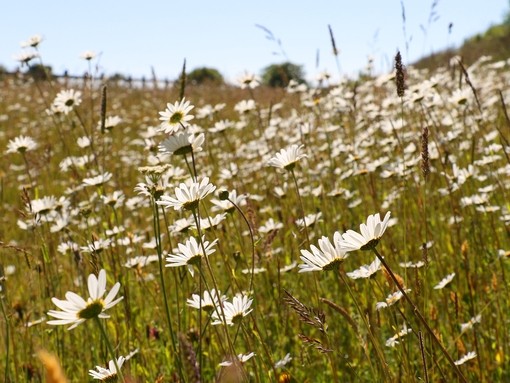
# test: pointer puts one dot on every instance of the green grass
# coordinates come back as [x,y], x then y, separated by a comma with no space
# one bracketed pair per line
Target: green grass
[364,156]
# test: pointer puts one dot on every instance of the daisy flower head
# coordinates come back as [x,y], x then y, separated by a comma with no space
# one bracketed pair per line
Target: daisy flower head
[234,312]
[391,299]
[371,233]
[248,80]
[88,55]
[187,196]
[365,271]
[21,144]
[182,143]
[327,257]
[445,281]
[66,100]
[208,302]
[242,358]
[287,158]
[76,310]
[98,180]
[33,41]
[470,355]
[174,116]
[108,374]
[25,57]
[190,254]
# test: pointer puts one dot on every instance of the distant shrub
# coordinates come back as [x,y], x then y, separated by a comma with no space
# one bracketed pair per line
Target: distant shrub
[204,75]
[279,75]
[40,72]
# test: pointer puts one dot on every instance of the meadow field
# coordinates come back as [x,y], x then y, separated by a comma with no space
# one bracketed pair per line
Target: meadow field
[355,231]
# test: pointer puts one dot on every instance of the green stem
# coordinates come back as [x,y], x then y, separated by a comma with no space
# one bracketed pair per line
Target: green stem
[110,348]
[4,314]
[301,206]
[420,316]
[157,236]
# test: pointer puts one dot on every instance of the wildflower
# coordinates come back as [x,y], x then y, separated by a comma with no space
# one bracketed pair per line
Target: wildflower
[411,265]
[66,100]
[470,324]
[371,233]
[326,257]
[88,55]
[209,302]
[245,106]
[33,41]
[470,355]
[21,144]
[242,358]
[98,180]
[365,271]
[140,261]
[287,158]
[394,340]
[226,205]
[97,246]
[270,225]
[188,197]
[283,362]
[248,80]
[108,374]
[446,280]
[191,253]
[75,310]
[25,57]
[110,122]
[182,143]
[391,300]
[309,220]
[234,312]
[174,116]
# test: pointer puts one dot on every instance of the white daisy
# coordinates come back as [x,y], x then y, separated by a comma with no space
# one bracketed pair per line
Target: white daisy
[208,302]
[287,158]
[326,257]
[188,196]
[174,116]
[391,299]
[446,280]
[190,254]
[182,143]
[365,271]
[371,233]
[21,144]
[470,355]
[108,374]
[242,358]
[98,180]
[75,310]
[66,100]
[234,312]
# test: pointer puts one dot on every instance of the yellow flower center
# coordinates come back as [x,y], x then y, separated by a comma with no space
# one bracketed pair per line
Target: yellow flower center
[92,310]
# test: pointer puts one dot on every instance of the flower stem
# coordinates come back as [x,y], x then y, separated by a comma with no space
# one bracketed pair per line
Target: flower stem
[302,207]
[420,316]
[110,348]
[7,327]
[157,236]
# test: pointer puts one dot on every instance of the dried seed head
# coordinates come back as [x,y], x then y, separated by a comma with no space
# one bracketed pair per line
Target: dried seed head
[400,75]
[54,372]
[425,160]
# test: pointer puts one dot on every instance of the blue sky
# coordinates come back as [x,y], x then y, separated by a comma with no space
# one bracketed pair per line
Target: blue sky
[133,36]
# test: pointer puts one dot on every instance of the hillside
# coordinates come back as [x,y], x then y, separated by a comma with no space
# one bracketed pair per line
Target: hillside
[495,42]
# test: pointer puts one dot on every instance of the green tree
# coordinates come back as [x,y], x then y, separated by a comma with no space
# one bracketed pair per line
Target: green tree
[40,72]
[204,75]
[279,75]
